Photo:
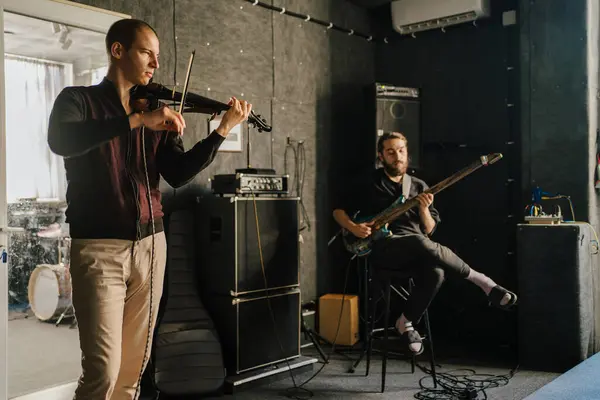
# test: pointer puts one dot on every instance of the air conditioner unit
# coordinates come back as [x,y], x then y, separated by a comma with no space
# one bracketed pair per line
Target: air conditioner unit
[409,16]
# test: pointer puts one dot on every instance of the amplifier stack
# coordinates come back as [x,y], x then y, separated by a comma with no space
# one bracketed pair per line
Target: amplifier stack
[256,310]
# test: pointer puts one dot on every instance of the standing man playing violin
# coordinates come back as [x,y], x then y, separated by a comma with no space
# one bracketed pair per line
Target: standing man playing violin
[118,252]
[410,248]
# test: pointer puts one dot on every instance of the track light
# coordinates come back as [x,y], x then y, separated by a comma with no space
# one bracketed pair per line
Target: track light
[67,44]
[63,37]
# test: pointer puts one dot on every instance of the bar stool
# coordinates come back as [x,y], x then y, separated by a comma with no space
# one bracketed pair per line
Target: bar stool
[383,278]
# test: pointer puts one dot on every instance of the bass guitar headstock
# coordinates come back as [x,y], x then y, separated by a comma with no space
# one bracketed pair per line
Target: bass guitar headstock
[491,158]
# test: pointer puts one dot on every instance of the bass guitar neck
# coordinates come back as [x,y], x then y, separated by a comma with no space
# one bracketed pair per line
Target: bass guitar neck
[362,247]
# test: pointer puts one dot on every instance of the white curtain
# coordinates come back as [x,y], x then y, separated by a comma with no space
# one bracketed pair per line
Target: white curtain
[33,171]
[91,76]
[98,74]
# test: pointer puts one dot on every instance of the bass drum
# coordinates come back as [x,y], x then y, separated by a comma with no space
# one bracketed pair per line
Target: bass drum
[49,291]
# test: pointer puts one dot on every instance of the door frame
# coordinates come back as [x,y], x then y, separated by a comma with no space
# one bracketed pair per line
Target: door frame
[68,13]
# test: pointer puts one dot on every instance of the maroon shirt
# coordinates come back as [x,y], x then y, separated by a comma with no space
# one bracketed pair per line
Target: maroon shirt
[106,193]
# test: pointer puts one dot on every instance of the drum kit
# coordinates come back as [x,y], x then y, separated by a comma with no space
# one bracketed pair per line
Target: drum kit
[49,288]
[40,238]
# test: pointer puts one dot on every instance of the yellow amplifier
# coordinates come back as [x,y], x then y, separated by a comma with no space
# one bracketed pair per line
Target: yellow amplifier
[330,306]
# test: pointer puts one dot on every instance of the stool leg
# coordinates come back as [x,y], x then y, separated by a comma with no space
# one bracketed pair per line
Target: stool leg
[413,359]
[367,314]
[373,307]
[365,304]
[430,345]
[386,324]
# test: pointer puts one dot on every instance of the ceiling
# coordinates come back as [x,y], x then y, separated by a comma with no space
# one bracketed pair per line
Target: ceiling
[32,37]
[370,3]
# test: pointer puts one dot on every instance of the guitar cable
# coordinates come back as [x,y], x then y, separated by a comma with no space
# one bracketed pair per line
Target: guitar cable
[264,276]
[149,199]
[296,391]
[333,344]
[460,384]
[151,209]
[299,158]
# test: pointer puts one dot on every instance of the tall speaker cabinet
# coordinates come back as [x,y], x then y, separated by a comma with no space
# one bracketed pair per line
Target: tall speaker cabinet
[558,285]
[248,270]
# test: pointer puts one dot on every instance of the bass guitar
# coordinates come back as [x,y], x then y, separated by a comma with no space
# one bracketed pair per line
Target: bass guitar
[362,246]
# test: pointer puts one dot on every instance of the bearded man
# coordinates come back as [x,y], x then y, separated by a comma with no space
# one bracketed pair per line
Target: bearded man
[409,249]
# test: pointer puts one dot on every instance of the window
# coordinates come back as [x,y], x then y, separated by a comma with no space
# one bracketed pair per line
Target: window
[33,171]
[32,85]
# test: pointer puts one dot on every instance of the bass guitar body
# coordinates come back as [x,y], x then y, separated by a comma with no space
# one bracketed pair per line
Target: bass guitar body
[362,246]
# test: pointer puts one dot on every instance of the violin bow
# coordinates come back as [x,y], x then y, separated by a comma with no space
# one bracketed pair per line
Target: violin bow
[187,81]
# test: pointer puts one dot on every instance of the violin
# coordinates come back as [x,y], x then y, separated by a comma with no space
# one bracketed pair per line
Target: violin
[148,97]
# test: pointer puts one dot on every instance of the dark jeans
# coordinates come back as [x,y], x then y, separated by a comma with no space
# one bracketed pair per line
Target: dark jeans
[426,261]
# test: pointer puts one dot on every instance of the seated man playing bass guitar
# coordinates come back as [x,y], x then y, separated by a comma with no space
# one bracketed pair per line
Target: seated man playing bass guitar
[409,248]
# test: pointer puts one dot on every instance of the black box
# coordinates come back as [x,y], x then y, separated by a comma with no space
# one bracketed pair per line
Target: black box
[228,246]
[558,282]
[398,109]
[258,330]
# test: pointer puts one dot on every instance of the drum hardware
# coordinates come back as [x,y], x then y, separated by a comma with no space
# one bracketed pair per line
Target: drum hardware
[64,314]
[63,243]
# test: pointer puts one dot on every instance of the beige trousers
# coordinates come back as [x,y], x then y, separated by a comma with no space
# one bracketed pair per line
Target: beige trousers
[111,296]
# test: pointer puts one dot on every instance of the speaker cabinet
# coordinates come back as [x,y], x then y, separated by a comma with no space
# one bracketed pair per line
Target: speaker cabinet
[398,109]
[228,246]
[558,280]
[253,337]
[338,322]
[258,322]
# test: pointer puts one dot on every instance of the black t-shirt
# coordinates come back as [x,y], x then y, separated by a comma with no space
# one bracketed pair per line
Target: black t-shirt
[374,191]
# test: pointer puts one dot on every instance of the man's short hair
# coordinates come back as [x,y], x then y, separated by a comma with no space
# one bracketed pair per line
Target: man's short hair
[387,136]
[124,31]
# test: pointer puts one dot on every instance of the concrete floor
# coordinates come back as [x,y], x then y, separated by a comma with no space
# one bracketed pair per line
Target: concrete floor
[40,355]
[43,356]
[334,383]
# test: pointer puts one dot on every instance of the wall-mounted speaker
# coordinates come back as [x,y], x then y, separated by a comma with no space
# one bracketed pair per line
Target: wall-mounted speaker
[398,109]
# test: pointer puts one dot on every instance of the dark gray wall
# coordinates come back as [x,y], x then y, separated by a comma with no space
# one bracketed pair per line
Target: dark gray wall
[559,58]
[527,90]
[523,90]
[294,73]
[468,76]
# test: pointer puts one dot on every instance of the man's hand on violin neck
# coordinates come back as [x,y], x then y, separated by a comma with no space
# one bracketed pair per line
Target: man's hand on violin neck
[238,113]
[161,119]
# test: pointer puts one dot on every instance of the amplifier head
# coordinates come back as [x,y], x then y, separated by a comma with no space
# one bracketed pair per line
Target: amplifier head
[242,183]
